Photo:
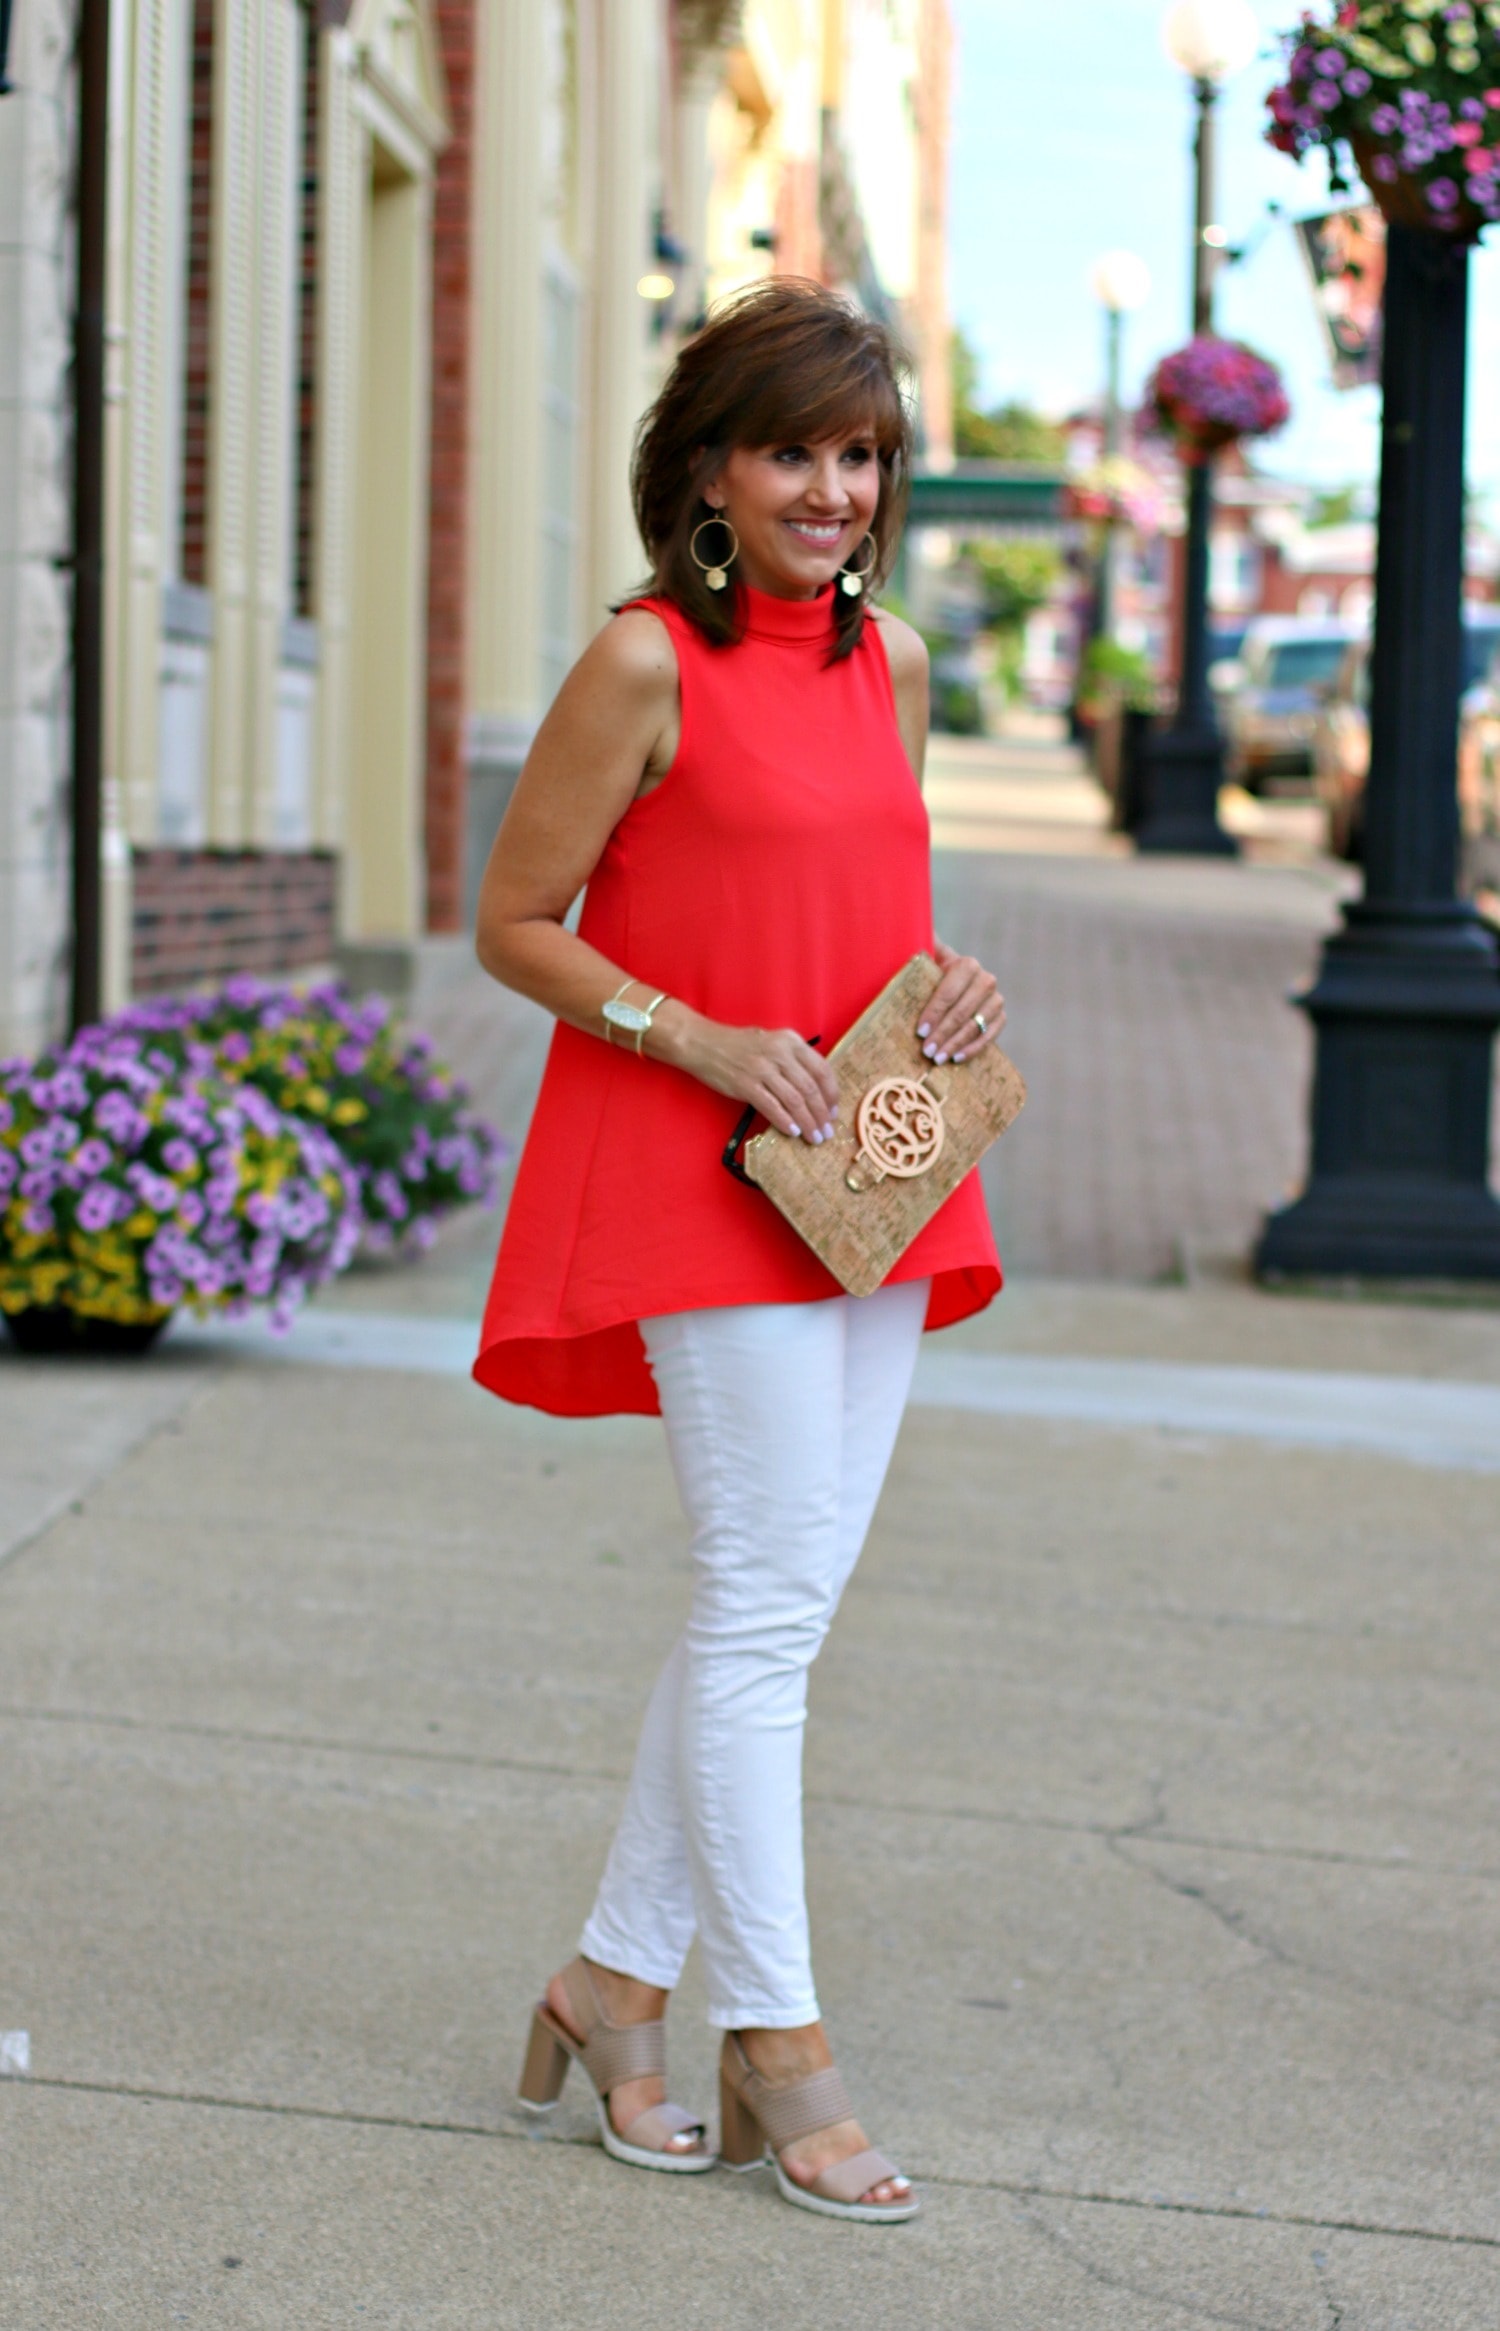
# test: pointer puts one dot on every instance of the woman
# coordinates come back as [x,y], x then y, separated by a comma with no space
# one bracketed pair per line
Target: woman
[730,770]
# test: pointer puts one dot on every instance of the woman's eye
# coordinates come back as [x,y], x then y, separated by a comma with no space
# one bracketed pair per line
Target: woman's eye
[791,453]
[857,454]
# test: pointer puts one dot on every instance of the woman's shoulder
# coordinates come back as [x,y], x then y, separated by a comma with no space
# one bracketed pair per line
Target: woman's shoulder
[905,648]
[635,650]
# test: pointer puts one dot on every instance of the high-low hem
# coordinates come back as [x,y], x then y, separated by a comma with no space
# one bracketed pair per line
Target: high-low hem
[602,1370]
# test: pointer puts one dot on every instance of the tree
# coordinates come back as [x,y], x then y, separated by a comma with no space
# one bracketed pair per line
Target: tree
[1018,577]
[1006,432]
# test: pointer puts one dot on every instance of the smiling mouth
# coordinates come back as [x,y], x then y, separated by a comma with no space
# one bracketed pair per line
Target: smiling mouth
[821,537]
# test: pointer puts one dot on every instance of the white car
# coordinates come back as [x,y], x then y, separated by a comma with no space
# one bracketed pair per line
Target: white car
[1271,694]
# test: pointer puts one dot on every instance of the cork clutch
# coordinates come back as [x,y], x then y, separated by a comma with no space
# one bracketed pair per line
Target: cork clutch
[907,1133]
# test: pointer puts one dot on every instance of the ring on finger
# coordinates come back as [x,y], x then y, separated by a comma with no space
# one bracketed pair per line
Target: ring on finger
[979,1022]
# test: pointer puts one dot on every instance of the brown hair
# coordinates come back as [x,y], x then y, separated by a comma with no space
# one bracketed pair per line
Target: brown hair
[784,363]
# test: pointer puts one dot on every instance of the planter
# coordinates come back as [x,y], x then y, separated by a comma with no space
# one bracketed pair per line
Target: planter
[1199,441]
[52,1328]
[1402,202]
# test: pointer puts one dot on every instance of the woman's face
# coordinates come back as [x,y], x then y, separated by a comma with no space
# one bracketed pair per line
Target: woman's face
[799,510]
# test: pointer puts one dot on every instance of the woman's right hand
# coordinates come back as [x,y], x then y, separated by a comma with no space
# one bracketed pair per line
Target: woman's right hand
[775,1069]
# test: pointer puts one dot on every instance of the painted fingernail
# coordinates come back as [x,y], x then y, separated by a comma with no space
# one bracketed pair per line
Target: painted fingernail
[941,1057]
[796,1131]
[930,1051]
[815,1137]
[925,1029]
[828,1133]
[958,1056]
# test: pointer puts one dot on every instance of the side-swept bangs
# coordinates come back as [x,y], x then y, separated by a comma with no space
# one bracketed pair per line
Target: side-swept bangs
[784,363]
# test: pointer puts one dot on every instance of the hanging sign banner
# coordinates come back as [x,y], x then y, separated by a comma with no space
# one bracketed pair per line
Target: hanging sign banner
[1345,255]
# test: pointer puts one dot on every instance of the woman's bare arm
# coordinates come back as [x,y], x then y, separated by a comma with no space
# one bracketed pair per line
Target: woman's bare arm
[610,734]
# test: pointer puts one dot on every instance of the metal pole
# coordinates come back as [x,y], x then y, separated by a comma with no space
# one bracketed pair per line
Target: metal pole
[1185,768]
[5,80]
[88,509]
[1407,997]
[1104,583]
[1205,173]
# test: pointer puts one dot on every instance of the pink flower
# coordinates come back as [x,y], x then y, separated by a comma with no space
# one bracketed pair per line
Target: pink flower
[1479,161]
[1466,133]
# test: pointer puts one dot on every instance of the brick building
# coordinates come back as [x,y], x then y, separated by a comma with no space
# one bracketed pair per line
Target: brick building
[390,284]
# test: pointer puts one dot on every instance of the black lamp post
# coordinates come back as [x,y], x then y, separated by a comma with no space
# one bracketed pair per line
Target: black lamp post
[5,81]
[1210,40]
[1407,997]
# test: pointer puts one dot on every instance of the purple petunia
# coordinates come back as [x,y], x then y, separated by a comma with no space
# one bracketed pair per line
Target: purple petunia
[1357,83]
[1385,121]
[98,1207]
[1443,195]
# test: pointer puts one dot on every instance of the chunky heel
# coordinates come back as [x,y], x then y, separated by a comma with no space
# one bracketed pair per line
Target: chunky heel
[611,2054]
[741,2145]
[545,2068]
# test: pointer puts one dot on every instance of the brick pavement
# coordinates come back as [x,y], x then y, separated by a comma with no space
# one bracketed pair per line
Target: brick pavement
[1148,1009]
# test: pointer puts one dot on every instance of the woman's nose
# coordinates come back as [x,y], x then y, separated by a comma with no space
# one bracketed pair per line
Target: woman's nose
[826,487]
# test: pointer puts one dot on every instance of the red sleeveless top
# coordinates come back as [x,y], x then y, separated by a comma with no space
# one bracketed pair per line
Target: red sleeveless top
[777,877]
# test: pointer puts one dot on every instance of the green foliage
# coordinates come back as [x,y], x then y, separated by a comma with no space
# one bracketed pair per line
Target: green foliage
[1018,577]
[1111,674]
[1335,508]
[1004,432]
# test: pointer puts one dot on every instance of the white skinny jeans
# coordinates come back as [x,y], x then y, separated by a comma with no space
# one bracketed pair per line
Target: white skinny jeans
[781,1419]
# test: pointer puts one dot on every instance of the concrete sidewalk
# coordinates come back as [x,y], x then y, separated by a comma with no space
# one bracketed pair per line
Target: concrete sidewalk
[1154,1766]
[1153,1795]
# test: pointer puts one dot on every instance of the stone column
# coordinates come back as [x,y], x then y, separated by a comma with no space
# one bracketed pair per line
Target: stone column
[506,521]
[36,274]
[620,386]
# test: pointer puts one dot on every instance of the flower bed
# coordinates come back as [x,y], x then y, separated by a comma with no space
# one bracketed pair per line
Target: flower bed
[1410,88]
[223,1150]
[1212,392]
[402,1121]
[133,1182]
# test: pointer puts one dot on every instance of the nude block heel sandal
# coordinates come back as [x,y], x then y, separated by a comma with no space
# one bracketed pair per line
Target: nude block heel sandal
[758,2122]
[610,2054]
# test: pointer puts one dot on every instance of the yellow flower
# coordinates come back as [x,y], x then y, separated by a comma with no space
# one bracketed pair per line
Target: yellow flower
[316,1098]
[1420,45]
[349,1112]
[141,1223]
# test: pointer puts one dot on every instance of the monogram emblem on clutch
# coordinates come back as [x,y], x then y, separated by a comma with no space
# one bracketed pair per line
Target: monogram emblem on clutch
[900,1129]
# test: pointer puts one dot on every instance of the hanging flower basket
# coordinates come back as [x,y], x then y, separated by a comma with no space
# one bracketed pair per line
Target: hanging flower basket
[1212,393]
[1411,90]
[1114,492]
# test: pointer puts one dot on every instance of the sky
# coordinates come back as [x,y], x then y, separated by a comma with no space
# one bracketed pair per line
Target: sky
[1072,136]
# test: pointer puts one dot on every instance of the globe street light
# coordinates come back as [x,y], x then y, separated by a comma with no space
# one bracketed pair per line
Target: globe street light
[1121,283]
[1209,40]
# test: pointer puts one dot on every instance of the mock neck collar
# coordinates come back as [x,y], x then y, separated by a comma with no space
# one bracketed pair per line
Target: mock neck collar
[800,622]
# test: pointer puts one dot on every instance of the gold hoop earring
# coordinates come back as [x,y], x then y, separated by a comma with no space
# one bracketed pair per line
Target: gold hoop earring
[854,579]
[714,572]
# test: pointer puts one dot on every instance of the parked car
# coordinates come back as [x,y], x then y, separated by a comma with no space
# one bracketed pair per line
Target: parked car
[1272,691]
[1341,736]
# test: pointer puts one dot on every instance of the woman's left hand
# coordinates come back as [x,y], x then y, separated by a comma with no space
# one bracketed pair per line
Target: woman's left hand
[965,995]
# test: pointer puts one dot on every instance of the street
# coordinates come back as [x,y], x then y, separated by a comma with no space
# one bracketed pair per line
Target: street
[1152,1768]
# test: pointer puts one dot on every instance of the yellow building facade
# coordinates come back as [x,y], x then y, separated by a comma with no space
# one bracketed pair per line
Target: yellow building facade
[390,285]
